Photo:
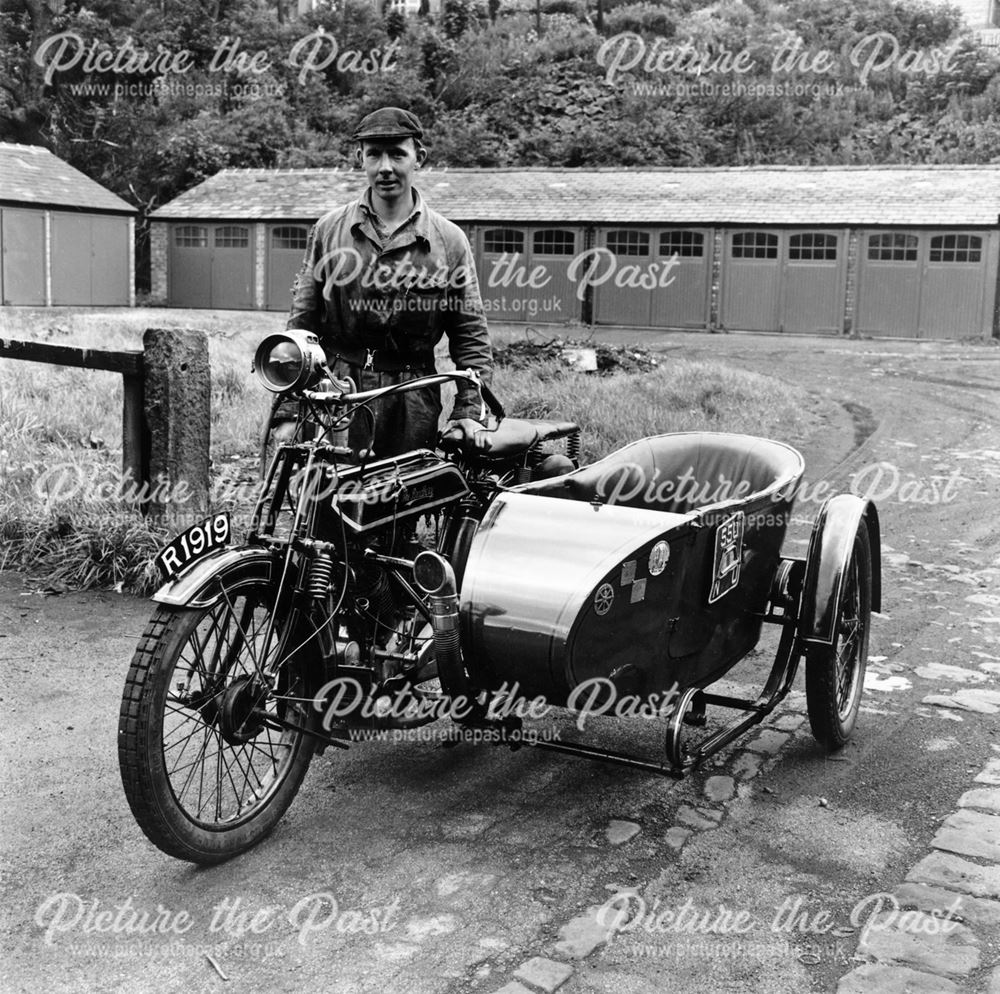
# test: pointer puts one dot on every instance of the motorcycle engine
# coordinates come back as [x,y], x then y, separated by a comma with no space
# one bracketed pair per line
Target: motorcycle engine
[376,603]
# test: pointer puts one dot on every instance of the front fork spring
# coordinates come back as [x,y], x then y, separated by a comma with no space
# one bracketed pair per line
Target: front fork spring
[320,575]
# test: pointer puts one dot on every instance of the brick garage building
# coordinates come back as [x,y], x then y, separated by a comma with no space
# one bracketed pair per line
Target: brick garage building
[884,251]
[64,238]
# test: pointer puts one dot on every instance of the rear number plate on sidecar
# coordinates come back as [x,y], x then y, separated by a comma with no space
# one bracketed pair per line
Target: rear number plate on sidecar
[728,556]
[197,541]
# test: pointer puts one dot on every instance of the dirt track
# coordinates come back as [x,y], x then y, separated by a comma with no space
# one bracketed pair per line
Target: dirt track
[469,861]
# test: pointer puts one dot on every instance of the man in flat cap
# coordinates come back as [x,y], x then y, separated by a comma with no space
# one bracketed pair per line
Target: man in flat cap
[384,278]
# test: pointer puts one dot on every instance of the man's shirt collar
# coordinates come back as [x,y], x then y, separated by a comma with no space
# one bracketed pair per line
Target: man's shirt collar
[367,218]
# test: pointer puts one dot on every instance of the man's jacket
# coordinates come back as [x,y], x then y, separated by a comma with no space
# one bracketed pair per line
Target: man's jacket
[389,303]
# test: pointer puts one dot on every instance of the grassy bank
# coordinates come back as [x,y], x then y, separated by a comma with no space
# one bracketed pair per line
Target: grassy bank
[59,425]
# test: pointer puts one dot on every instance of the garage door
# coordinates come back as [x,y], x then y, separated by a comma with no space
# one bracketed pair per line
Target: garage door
[813,283]
[551,257]
[286,247]
[503,254]
[619,297]
[751,279]
[232,267]
[954,278]
[925,284]
[22,241]
[211,266]
[190,266]
[889,284]
[684,302]
[90,259]
[109,274]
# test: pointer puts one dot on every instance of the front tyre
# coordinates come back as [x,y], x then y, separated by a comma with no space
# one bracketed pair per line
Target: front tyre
[207,767]
[835,674]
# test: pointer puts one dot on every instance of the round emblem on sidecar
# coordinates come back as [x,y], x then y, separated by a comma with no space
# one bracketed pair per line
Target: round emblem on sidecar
[659,555]
[604,598]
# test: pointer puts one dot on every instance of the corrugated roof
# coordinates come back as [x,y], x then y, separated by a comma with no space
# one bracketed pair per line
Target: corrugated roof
[889,195]
[30,174]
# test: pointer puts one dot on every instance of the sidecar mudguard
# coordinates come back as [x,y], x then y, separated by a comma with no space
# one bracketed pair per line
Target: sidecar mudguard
[227,569]
[830,547]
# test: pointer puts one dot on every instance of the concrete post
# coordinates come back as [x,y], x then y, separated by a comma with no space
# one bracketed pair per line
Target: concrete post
[176,397]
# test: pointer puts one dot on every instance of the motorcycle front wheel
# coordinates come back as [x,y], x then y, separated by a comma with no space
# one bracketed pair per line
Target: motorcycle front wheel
[207,761]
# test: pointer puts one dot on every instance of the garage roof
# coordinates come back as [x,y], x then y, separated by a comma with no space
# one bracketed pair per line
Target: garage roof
[30,174]
[879,195]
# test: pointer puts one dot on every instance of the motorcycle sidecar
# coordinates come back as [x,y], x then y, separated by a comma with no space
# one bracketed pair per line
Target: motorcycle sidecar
[656,567]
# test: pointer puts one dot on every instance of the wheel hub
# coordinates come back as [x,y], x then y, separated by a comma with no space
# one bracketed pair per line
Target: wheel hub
[237,721]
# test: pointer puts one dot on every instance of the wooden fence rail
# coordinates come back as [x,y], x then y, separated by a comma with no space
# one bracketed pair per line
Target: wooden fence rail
[165,409]
[135,459]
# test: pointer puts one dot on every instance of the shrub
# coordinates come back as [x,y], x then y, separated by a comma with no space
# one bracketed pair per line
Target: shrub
[577,8]
[642,17]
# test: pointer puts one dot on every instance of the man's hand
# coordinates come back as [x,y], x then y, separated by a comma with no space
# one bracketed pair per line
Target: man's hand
[470,431]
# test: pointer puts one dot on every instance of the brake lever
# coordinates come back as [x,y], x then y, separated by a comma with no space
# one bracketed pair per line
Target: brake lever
[489,398]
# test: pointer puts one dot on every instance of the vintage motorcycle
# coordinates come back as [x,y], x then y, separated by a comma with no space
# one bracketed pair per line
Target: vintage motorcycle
[389,593]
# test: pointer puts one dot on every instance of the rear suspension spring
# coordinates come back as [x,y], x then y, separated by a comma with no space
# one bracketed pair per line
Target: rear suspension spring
[573,445]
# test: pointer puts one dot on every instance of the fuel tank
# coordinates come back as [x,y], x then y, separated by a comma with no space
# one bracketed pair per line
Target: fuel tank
[396,488]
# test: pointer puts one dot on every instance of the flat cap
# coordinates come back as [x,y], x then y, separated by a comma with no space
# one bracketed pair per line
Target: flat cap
[389,122]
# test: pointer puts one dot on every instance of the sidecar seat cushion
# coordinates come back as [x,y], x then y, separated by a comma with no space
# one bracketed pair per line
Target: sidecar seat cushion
[681,473]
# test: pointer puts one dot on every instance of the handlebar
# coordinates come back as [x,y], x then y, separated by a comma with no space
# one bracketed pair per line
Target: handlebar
[359,397]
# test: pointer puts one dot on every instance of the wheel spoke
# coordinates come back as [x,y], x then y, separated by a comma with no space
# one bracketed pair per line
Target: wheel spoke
[193,764]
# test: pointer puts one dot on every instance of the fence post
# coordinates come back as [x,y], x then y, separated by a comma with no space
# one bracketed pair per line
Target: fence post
[176,397]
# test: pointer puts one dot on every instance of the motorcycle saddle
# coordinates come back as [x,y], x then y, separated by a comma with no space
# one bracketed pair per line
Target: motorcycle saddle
[513,437]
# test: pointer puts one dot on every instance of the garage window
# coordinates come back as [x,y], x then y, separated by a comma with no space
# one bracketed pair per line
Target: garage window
[629,242]
[499,240]
[892,247]
[755,245]
[191,236]
[685,244]
[289,238]
[231,237]
[956,248]
[812,246]
[553,241]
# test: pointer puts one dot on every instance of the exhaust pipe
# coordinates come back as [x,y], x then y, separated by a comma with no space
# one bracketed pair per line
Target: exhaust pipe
[435,577]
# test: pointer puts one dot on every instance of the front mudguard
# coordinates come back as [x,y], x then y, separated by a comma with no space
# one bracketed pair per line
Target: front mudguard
[830,548]
[226,570]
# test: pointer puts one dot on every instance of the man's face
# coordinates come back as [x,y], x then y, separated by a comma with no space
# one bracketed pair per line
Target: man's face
[389,164]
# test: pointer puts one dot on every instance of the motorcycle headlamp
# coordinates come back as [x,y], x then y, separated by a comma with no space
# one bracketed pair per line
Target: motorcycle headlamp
[289,360]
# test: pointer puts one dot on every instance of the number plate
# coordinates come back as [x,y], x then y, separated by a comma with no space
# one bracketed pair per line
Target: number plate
[728,556]
[191,545]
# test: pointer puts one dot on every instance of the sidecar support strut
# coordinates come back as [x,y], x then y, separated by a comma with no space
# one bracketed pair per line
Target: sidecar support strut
[608,756]
[690,710]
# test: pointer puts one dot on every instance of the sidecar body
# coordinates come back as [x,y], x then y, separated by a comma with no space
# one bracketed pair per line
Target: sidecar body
[654,567]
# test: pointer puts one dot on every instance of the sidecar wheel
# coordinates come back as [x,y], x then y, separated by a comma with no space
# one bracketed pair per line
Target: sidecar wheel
[835,674]
[206,768]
